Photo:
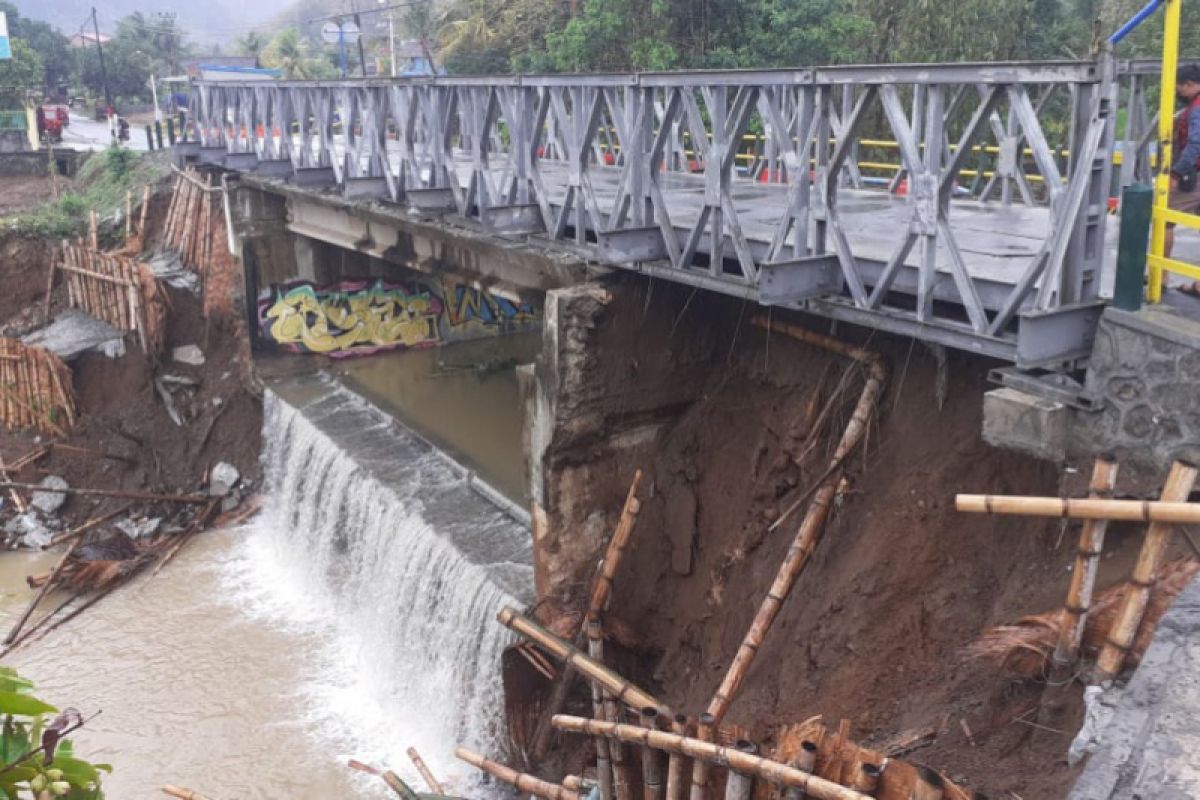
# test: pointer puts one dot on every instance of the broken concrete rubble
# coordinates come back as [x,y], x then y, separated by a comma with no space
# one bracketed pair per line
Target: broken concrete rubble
[50,502]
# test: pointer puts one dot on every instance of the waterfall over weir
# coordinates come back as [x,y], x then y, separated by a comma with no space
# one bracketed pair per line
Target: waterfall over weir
[379,540]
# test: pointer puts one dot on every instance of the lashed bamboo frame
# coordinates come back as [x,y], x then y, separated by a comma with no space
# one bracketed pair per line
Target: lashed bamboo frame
[117,290]
[35,389]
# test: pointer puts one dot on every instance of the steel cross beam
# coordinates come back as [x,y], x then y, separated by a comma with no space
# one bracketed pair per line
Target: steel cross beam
[747,182]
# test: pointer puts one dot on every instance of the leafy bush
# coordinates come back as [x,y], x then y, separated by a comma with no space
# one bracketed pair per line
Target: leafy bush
[101,186]
[36,761]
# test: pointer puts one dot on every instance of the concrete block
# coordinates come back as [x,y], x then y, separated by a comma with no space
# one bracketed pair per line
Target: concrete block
[1016,420]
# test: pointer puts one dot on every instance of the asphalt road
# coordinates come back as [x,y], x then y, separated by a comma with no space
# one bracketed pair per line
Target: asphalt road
[84,133]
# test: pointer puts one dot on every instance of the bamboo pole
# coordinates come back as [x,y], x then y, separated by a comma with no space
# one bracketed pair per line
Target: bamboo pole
[128,215]
[433,783]
[652,777]
[621,689]
[602,590]
[145,213]
[74,534]
[1137,594]
[93,231]
[1083,576]
[523,781]
[54,258]
[759,767]
[37,598]
[928,786]
[676,764]
[181,793]
[809,531]
[1081,508]
[805,761]
[605,707]
[122,493]
[739,785]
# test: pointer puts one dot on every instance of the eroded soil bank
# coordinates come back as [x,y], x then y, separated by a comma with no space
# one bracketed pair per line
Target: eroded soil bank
[732,425]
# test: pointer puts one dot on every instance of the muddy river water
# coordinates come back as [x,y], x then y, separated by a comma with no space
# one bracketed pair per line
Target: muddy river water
[353,618]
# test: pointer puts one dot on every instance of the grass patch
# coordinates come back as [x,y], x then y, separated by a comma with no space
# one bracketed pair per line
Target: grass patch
[101,186]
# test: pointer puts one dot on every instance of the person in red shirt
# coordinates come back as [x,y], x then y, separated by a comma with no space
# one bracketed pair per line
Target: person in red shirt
[1185,147]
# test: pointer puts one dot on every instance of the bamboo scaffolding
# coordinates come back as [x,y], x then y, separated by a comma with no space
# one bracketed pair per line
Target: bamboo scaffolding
[759,767]
[1081,508]
[620,688]
[1083,576]
[807,534]
[35,389]
[433,783]
[805,761]
[18,501]
[523,781]
[1137,594]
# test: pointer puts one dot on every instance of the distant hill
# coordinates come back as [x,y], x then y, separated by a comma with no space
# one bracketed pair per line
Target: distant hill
[205,23]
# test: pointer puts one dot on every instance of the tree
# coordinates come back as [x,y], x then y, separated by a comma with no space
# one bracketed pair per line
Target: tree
[20,75]
[290,53]
[251,44]
[52,48]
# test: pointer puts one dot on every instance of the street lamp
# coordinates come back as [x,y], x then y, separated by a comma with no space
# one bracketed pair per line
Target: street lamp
[153,84]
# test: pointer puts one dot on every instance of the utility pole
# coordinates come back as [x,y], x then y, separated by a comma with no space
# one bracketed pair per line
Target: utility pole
[362,57]
[108,101]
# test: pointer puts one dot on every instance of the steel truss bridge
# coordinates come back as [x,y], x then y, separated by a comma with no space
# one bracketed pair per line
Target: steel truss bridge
[988,234]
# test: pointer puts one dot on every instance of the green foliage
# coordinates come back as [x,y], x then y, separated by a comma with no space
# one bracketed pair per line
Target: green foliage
[102,183]
[289,52]
[20,75]
[597,35]
[144,44]
[27,726]
[50,45]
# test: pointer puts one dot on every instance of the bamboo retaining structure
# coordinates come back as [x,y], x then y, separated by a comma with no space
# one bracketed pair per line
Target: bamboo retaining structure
[36,389]
[620,688]
[766,769]
[117,290]
[1081,508]
[523,781]
[809,531]
[433,783]
[1137,594]
[1083,576]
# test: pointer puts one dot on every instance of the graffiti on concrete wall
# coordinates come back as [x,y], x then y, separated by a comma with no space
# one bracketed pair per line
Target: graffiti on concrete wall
[368,316]
[351,317]
[467,304]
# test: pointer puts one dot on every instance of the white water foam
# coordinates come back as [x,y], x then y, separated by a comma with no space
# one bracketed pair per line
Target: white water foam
[395,573]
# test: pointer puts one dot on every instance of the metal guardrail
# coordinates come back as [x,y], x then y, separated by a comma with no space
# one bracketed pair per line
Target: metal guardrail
[597,162]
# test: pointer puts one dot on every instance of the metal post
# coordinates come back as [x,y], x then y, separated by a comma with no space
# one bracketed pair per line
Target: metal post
[154,94]
[1166,120]
[342,49]
[1137,202]
[149,138]
[158,137]
[171,130]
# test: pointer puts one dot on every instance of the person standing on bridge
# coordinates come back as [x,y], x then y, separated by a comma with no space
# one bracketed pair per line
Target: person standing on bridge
[1185,146]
